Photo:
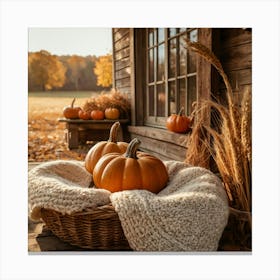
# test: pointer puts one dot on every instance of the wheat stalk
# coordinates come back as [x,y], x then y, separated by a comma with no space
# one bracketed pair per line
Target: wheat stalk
[209,56]
[230,136]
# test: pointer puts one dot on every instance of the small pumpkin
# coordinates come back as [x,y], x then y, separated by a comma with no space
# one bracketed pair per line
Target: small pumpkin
[112,113]
[84,115]
[105,147]
[178,122]
[131,170]
[97,115]
[71,112]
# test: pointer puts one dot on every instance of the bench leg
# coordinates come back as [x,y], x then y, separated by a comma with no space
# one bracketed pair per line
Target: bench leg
[72,137]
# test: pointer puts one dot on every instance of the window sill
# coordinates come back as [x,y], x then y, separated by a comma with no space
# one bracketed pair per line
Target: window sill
[161,142]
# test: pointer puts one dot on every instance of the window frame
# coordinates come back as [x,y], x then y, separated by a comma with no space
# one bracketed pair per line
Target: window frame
[155,120]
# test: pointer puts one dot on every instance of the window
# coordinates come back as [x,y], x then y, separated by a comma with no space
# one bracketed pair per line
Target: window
[171,73]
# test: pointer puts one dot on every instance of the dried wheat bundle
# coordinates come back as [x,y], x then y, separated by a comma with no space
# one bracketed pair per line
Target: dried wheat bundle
[113,99]
[227,139]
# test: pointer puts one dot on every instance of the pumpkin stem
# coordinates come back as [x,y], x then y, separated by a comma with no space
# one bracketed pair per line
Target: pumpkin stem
[72,103]
[132,148]
[114,132]
[180,113]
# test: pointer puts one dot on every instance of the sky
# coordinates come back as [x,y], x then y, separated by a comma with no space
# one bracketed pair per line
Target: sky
[69,41]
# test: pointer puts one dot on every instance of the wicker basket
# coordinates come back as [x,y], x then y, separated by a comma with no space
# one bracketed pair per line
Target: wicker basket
[95,229]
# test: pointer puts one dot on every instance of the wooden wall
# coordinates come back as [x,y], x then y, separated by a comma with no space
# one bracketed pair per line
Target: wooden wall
[121,59]
[233,46]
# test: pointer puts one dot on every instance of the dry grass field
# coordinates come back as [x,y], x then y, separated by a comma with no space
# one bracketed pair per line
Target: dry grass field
[46,139]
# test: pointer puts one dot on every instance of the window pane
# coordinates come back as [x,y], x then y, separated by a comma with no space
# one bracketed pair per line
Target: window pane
[193,35]
[160,69]
[182,93]
[151,37]
[182,29]
[172,98]
[151,101]
[155,36]
[161,99]
[172,32]
[172,58]
[191,93]
[191,62]
[151,65]
[182,54]
[160,35]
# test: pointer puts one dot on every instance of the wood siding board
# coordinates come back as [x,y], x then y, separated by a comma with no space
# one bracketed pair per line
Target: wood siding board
[123,73]
[122,43]
[123,53]
[123,63]
[235,37]
[120,83]
[124,90]
[239,78]
[236,58]
[120,32]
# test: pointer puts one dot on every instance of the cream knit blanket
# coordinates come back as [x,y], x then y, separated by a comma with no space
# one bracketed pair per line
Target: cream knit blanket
[62,186]
[190,214]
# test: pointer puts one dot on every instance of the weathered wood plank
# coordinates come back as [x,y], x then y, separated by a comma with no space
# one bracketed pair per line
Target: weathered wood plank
[119,33]
[163,150]
[78,132]
[234,37]
[125,90]
[165,144]
[122,43]
[122,53]
[123,83]
[236,58]
[123,63]
[47,241]
[239,78]
[160,134]
[123,73]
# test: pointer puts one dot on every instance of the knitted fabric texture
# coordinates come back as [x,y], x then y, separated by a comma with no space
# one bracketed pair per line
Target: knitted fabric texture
[62,186]
[190,214]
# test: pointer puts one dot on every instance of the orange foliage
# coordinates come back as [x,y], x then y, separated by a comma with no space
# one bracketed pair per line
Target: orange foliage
[103,70]
[45,71]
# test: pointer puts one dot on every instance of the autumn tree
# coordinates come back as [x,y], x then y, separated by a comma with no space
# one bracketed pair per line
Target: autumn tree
[103,70]
[76,64]
[45,71]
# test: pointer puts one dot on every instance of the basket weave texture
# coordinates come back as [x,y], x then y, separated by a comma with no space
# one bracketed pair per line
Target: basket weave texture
[95,229]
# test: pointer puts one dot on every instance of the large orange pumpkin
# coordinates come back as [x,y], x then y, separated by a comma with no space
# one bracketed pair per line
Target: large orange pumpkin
[131,170]
[178,122]
[105,147]
[71,112]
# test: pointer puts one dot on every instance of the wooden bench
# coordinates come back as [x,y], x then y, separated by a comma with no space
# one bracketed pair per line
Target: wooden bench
[78,132]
